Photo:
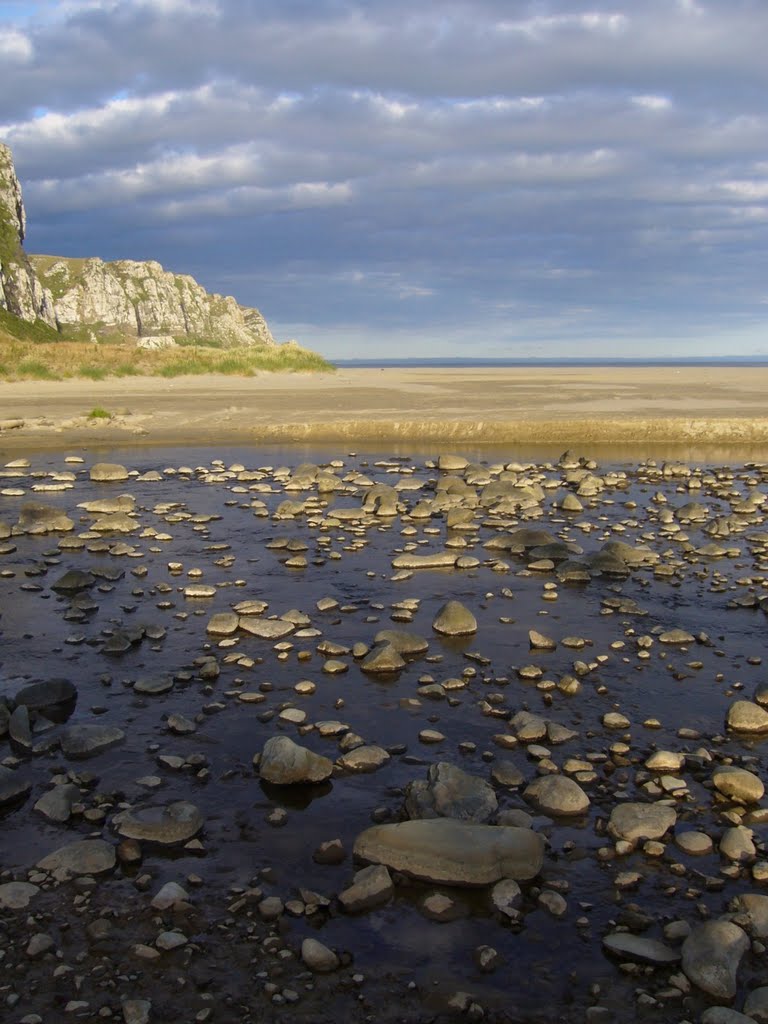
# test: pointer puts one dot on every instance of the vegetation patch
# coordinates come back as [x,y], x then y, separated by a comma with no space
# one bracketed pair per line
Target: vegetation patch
[36,352]
[97,413]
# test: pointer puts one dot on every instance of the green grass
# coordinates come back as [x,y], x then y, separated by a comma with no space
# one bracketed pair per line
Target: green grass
[97,413]
[35,369]
[39,331]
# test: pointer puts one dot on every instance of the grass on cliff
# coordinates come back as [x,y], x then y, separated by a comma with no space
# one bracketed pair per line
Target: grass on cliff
[31,359]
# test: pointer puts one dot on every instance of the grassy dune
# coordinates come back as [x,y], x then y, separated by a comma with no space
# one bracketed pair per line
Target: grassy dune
[34,352]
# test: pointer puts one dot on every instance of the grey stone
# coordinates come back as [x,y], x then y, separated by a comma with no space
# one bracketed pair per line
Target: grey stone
[317,957]
[711,957]
[174,823]
[557,796]
[364,759]
[285,763]
[56,804]
[640,949]
[744,716]
[450,792]
[82,857]
[372,887]
[103,472]
[756,1005]
[83,741]
[13,786]
[382,660]
[16,895]
[453,619]
[636,821]
[738,784]
[445,851]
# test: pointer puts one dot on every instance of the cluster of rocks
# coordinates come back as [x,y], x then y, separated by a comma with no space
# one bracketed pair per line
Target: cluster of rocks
[581,769]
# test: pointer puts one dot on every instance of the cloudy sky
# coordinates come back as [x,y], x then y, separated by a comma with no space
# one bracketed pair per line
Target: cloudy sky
[447,177]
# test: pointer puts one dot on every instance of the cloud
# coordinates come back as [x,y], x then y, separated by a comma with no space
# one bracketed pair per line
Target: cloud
[515,169]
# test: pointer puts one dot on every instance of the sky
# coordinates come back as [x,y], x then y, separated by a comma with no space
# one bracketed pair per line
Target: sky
[488,178]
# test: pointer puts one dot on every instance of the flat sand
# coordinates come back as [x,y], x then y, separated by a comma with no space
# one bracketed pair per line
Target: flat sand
[491,405]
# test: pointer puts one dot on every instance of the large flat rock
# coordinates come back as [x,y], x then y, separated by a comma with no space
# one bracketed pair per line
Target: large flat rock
[450,852]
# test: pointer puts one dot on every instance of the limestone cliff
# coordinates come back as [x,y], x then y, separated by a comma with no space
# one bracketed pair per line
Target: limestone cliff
[88,298]
[21,293]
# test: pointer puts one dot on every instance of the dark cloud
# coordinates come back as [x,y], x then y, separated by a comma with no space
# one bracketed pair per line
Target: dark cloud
[517,173]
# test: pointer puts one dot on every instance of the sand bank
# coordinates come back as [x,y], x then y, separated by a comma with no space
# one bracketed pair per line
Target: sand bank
[492,405]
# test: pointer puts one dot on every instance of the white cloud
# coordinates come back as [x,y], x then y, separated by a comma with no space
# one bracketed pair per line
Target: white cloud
[15,46]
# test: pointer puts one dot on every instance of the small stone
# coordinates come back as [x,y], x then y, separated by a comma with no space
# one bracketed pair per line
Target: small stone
[317,957]
[372,887]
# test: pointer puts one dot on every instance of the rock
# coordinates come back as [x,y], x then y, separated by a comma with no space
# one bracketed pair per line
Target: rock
[755,907]
[285,763]
[166,941]
[317,957]
[557,796]
[737,845]
[663,761]
[409,645]
[39,944]
[711,957]
[635,821]
[445,851]
[507,774]
[676,636]
[175,823]
[35,517]
[724,1015]
[436,560]
[14,786]
[451,463]
[56,804]
[382,660]
[372,887]
[507,897]
[696,844]
[738,784]
[82,857]
[539,642]
[330,852]
[756,1005]
[439,907]
[454,619]
[153,687]
[82,741]
[744,716]
[266,629]
[223,624]
[16,895]
[73,581]
[115,522]
[49,696]
[170,894]
[639,949]
[450,792]
[105,472]
[364,759]
[137,1011]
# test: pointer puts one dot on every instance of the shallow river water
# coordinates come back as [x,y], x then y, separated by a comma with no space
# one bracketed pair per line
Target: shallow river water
[218,517]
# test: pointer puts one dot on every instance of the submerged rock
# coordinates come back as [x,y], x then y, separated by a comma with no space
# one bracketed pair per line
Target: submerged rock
[83,857]
[175,823]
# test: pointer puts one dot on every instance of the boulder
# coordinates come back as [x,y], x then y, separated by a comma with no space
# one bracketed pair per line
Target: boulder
[82,741]
[744,716]
[454,619]
[167,825]
[285,763]
[635,821]
[450,852]
[557,796]
[449,792]
[83,857]
[711,957]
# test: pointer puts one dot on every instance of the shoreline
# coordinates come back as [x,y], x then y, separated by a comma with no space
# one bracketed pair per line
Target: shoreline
[477,406]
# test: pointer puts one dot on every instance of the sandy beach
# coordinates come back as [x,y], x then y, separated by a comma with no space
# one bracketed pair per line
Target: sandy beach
[490,405]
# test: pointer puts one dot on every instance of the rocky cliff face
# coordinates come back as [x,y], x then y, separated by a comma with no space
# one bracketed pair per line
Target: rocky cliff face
[124,299]
[20,291]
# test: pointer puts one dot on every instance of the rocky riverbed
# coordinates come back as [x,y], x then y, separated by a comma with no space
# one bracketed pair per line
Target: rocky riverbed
[382,738]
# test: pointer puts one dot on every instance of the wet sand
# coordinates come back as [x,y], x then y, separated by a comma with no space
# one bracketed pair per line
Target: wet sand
[491,405]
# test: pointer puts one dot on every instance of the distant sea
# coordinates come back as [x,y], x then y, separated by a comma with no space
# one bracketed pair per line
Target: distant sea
[467,363]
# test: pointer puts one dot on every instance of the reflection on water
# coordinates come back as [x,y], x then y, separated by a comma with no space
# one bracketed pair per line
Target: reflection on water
[203,524]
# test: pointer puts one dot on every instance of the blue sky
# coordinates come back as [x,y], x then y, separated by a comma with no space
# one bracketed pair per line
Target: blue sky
[485,177]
